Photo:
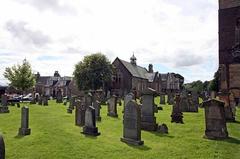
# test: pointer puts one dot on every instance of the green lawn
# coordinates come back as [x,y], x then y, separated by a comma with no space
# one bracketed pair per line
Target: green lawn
[55,136]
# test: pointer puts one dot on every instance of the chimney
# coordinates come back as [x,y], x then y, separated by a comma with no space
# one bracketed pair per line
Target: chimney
[150,68]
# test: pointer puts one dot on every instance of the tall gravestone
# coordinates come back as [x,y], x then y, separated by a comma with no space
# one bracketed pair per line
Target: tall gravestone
[112,106]
[162,99]
[80,113]
[148,108]
[4,104]
[2,148]
[59,96]
[88,99]
[24,130]
[128,97]
[215,119]
[97,107]
[184,102]
[40,100]
[132,124]
[195,100]
[90,122]
[177,115]
[191,106]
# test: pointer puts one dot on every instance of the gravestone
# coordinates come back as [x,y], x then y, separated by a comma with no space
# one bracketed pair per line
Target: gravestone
[24,130]
[163,129]
[184,101]
[177,115]
[40,100]
[4,102]
[132,124]
[59,96]
[191,106]
[148,108]
[90,122]
[72,102]
[215,119]
[37,98]
[195,100]
[2,148]
[97,107]
[112,106]
[128,98]
[162,99]
[80,113]
[88,99]
[45,100]
[170,98]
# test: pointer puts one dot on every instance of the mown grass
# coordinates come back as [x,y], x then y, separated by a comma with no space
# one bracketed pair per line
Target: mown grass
[54,136]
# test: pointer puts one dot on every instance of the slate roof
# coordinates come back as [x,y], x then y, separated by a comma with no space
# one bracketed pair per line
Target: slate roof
[138,71]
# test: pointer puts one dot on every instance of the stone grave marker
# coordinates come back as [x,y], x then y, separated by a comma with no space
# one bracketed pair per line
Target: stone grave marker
[215,119]
[2,148]
[4,104]
[24,129]
[184,102]
[90,123]
[132,124]
[59,96]
[112,106]
[177,115]
[45,100]
[195,100]
[80,113]
[97,107]
[128,97]
[40,100]
[170,98]
[148,108]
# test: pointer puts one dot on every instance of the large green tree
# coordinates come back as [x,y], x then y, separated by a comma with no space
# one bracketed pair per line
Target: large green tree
[93,72]
[20,76]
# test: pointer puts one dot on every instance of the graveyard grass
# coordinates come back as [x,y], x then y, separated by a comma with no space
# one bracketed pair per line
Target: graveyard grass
[55,136]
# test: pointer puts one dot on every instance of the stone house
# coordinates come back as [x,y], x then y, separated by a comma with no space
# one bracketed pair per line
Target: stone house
[129,76]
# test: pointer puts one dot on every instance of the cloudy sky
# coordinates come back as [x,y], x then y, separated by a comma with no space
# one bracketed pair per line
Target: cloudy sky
[173,35]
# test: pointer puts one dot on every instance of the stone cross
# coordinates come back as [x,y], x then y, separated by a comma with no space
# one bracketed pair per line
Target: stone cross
[112,106]
[132,124]
[24,130]
[80,113]
[148,108]
[2,148]
[177,115]
[90,122]
[215,119]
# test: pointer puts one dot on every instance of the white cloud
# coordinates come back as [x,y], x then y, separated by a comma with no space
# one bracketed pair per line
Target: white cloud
[180,36]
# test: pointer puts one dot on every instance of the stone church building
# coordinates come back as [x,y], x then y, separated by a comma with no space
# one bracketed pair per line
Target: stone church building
[129,76]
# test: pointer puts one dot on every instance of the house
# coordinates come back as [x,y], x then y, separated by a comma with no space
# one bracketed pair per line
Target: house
[128,76]
[49,85]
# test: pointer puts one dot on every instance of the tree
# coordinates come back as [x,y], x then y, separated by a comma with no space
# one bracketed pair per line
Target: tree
[93,72]
[213,85]
[20,76]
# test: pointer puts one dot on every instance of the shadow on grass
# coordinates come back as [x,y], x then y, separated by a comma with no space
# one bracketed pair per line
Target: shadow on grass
[161,134]
[141,147]
[236,122]
[18,136]
[89,136]
[232,140]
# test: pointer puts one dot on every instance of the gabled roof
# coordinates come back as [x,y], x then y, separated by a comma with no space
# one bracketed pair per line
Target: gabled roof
[138,71]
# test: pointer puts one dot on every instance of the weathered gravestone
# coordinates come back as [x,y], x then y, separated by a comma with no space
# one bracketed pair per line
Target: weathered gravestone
[184,102]
[4,106]
[97,107]
[40,100]
[80,113]
[59,96]
[163,129]
[177,115]
[215,119]
[112,106]
[132,124]
[2,148]
[191,106]
[148,108]
[88,98]
[195,100]
[128,98]
[170,98]
[225,97]
[24,130]
[162,99]
[45,100]
[90,122]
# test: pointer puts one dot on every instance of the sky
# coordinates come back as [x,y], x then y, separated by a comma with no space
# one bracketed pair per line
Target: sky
[173,35]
